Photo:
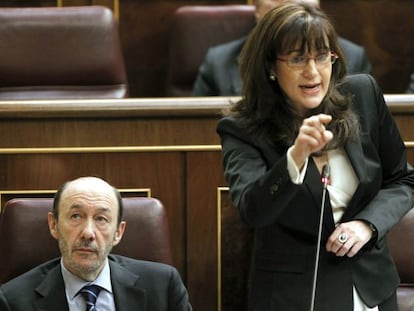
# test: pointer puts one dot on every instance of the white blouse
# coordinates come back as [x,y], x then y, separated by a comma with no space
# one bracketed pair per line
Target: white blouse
[343,184]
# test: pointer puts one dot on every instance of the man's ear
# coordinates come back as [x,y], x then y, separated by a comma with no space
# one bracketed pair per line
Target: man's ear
[119,233]
[52,221]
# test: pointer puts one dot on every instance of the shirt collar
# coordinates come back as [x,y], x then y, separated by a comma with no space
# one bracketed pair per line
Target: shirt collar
[73,283]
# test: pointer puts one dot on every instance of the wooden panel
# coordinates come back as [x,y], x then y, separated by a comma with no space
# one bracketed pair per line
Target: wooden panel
[381,27]
[235,255]
[120,132]
[140,122]
[203,183]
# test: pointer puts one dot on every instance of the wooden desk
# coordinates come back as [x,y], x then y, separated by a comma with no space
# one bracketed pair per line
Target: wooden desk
[166,148]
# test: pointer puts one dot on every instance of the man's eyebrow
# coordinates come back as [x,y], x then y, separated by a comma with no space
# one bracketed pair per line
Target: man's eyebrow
[103,208]
[75,206]
[79,206]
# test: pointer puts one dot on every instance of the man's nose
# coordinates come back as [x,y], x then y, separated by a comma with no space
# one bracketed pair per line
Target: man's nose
[88,229]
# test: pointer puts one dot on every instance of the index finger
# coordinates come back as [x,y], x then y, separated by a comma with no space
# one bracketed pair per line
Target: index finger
[324,118]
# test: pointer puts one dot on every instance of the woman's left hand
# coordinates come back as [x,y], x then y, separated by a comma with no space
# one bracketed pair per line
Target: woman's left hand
[349,237]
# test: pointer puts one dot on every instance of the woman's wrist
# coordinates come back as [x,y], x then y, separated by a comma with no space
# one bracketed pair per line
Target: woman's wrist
[297,158]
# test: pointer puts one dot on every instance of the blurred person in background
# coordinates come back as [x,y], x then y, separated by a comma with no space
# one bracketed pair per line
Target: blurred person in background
[219,74]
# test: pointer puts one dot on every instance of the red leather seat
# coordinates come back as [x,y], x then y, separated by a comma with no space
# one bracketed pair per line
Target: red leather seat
[60,53]
[195,28]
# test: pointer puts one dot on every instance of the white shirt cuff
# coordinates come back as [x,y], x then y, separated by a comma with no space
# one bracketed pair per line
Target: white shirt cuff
[296,176]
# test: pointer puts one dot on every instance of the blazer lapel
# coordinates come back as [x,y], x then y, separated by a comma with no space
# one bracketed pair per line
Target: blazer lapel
[355,154]
[314,184]
[127,294]
[51,292]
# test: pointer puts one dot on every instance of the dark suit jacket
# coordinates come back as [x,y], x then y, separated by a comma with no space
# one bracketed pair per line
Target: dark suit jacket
[219,74]
[137,285]
[286,216]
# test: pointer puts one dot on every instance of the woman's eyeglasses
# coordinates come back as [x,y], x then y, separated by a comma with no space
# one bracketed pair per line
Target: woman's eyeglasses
[301,61]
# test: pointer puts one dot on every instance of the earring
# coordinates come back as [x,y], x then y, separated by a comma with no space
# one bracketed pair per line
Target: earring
[272,77]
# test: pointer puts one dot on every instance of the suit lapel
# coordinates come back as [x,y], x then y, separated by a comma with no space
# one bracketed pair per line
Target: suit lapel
[364,173]
[314,184]
[127,294]
[355,154]
[51,292]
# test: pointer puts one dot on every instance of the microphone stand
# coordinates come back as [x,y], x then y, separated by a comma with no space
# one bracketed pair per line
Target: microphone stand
[325,182]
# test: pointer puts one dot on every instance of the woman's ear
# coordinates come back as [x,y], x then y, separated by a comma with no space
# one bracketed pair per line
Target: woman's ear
[270,68]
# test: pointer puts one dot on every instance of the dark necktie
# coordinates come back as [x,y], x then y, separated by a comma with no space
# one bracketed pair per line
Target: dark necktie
[90,293]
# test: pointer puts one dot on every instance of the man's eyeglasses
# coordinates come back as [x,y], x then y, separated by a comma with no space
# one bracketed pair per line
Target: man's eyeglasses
[301,61]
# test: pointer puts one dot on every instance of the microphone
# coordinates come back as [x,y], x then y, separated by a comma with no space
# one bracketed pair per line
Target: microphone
[326,172]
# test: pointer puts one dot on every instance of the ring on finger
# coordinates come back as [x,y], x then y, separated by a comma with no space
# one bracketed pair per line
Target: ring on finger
[342,238]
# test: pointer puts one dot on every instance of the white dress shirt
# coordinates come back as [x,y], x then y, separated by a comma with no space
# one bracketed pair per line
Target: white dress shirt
[343,183]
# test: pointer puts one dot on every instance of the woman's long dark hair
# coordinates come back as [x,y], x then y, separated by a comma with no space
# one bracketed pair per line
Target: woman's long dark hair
[263,108]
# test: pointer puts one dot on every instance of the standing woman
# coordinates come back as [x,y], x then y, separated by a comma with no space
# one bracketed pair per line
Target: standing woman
[297,113]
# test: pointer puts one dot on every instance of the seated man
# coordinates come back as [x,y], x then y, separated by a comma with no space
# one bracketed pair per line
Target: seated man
[219,74]
[87,222]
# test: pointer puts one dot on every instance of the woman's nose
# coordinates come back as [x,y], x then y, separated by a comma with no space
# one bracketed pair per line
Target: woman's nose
[311,67]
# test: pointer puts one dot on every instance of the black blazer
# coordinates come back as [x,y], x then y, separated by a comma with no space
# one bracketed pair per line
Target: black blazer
[286,216]
[137,286]
[219,74]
